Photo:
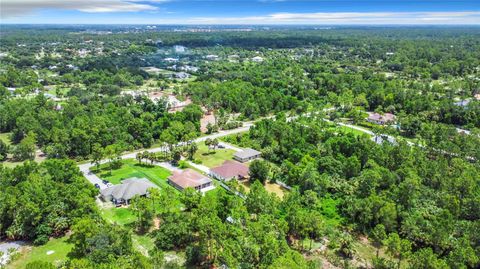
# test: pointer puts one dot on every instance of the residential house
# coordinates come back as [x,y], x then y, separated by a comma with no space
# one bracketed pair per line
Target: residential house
[257,59]
[246,155]
[129,188]
[190,178]
[230,170]
[378,118]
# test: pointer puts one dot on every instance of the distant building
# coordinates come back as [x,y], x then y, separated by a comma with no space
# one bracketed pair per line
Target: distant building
[462,103]
[182,75]
[179,49]
[129,188]
[378,118]
[211,57]
[380,139]
[246,155]
[257,59]
[189,178]
[230,170]
[170,60]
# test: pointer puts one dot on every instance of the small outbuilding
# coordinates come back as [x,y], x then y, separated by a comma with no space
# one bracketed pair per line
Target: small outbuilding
[230,170]
[190,178]
[129,188]
[246,155]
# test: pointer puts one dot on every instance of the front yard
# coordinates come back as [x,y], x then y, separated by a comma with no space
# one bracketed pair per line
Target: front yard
[131,168]
[211,158]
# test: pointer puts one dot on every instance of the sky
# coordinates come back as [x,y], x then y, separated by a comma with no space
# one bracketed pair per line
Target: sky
[269,12]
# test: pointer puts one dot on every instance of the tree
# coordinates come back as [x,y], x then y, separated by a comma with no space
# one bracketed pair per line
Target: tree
[145,212]
[259,170]
[25,150]
[378,236]
[3,151]
[214,144]
[139,157]
[191,150]
[398,247]
[426,259]
[39,265]
[97,155]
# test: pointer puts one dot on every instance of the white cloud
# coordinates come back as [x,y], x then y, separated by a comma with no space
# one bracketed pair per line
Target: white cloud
[467,17]
[14,8]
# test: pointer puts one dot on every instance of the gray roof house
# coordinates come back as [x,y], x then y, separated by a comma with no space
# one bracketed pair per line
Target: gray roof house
[246,155]
[124,192]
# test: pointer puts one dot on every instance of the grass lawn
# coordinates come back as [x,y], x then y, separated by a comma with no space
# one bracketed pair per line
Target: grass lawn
[351,130]
[211,158]
[270,187]
[118,215]
[59,246]
[143,243]
[5,137]
[131,168]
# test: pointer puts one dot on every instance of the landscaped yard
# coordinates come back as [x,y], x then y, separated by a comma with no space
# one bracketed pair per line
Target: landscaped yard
[131,168]
[120,215]
[212,158]
[55,251]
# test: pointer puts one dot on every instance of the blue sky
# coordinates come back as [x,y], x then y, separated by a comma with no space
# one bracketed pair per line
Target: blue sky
[322,12]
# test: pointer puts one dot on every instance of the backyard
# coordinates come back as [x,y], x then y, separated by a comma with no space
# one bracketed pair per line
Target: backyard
[54,251]
[211,158]
[131,168]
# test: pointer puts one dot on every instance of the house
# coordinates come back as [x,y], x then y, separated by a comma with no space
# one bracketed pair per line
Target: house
[257,59]
[380,139]
[378,118]
[182,75]
[230,170]
[190,178]
[211,57]
[246,155]
[462,103]
[129,188]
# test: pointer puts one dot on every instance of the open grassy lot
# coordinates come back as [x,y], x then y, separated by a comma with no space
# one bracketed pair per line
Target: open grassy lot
[212,158]
[131,168]
[270,187]
[55,251]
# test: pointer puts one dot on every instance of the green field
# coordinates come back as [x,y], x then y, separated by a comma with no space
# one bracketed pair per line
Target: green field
[131,168]
[212,158]
[59,246]
[347,129]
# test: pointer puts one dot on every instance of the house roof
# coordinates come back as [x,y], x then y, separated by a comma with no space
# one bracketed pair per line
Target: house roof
[231,169]
[188,178]
[246,153]
[129,188]
[379,117]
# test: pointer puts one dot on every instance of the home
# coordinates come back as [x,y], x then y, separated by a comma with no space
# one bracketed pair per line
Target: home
[378,118]
[230,170]
[257,59]
[246,155]
[462,103]
[189,178]
[129,188]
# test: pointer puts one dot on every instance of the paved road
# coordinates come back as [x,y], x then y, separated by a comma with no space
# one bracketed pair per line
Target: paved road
[94,179]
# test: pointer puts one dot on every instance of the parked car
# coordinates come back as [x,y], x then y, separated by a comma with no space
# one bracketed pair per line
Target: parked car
[105,182]
[97,186]
[221,146]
